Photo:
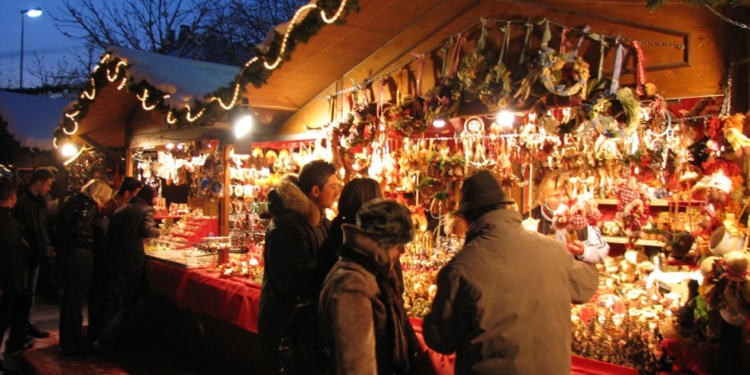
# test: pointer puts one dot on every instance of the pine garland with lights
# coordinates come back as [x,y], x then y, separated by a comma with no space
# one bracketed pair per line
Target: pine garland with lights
[653,5]
[200,113]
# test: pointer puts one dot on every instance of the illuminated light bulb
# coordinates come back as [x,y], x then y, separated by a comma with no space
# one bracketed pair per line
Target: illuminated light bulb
[438,123]
[169,146]
[33,12]
[68,150]
[180,146]
[243,126]
[505,119]
[532,117]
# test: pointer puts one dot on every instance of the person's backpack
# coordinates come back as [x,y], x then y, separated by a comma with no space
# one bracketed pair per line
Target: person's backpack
[302,350]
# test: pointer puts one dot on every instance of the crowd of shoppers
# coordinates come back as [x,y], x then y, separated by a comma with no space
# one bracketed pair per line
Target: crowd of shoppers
[483,310]
[346,273]
[97,249]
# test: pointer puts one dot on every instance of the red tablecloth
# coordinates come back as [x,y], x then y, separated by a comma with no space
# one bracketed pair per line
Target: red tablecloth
[236,300]
[233,300]
[441,364]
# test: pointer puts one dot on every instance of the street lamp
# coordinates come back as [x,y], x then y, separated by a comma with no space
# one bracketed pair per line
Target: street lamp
[31,12]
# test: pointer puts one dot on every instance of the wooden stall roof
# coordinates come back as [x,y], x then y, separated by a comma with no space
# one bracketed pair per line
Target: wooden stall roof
[383,35]
[114,110]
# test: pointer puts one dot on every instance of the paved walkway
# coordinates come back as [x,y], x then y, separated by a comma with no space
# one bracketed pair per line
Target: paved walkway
[141,355]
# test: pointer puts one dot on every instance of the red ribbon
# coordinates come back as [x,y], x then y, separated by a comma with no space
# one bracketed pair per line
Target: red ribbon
[640,77]
[420,72]
[563,40]
[456,57]
[350,101]
[379,106]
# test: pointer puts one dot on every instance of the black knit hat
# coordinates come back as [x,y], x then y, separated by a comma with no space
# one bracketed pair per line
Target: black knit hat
[387,222]
[481,190]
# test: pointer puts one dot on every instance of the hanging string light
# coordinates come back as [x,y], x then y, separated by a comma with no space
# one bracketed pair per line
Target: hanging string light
[143,99]
[289,29]
[171,120]
[234,98]
[336,16]
[190,118]
[92,95]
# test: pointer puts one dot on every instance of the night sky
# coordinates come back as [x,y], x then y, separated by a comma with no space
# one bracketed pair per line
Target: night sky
[41,37]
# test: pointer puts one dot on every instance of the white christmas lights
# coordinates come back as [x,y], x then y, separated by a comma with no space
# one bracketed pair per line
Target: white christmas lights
[234,98]
[189,117]
[289,29]
[335,16]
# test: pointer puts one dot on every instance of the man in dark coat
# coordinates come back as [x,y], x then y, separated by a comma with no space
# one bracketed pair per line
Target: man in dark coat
[31,213]
[102,270]
[298,228]
[129,188]
[130,225]
[13,267]
[503,302]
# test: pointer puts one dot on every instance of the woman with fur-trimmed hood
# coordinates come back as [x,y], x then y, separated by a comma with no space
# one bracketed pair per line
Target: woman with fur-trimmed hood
[293,238]
[362,314]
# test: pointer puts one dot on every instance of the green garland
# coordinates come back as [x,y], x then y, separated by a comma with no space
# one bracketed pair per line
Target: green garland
[653,5]
[255,74]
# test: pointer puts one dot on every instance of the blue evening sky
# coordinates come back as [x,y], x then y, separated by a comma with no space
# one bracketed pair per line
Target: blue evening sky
[41,37]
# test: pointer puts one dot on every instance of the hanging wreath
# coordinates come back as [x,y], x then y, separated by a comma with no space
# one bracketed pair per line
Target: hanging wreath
[352,133]
[616,115]
[444,100]
[475,68]
[563,74]
[496,90]
[408,117]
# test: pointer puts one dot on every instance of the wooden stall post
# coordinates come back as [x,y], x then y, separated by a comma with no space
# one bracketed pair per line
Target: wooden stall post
[224,202]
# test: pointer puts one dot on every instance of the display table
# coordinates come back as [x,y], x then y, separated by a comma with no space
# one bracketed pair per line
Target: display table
[236,301]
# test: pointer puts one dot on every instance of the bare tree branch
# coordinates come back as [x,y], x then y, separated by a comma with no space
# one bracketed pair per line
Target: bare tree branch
[223,31]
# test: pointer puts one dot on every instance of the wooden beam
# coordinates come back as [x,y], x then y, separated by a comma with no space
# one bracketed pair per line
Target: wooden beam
[227,181]
[104,150]
[685,36]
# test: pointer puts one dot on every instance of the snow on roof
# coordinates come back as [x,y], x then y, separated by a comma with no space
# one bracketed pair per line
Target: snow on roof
[31,119]
[184,79]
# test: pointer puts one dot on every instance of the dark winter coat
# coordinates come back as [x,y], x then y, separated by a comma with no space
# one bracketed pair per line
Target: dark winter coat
[31,213]
[354,318]
[292,241]
[503,302]
[81,225]
[13,255]
[130,225]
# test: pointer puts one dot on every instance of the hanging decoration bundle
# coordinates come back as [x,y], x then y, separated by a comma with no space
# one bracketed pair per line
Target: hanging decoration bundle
[475,67]
[563,74]
[496,90]
[407,116]
[444,100]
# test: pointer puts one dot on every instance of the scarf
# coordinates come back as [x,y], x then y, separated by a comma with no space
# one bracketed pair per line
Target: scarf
[393,342]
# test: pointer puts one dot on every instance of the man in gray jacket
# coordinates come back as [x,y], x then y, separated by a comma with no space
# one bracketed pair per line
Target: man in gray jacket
[503,302]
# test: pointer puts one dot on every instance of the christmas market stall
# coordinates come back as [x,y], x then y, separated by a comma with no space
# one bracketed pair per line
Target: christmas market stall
[636,109]
[638,115]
